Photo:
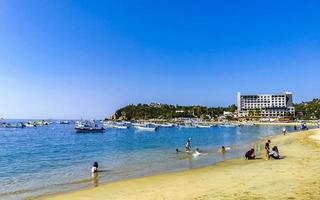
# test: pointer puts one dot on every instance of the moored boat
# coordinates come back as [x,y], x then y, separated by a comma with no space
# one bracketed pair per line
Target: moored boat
[202,126]
[29,124]
[41,123]
[228,125]
[146,127]
[88,127]
[18,125]
[117,125]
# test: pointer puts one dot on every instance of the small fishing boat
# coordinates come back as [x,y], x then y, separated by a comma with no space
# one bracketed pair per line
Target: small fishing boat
[117,125]
[18,125]
[88,127]
[29,124]
[186,126]
[166,125]
[41,123]
[146,127]
[203,126]
[228,125]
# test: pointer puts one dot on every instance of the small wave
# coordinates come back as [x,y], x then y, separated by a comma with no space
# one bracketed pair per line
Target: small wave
[15,192]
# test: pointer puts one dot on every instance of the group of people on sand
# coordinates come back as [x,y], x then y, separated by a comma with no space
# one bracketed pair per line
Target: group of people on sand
[269,153]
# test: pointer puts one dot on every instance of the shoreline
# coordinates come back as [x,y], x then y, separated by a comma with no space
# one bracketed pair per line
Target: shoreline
[235,178]
[312,124]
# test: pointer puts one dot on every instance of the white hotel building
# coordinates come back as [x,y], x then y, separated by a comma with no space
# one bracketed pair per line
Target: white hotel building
[268,105]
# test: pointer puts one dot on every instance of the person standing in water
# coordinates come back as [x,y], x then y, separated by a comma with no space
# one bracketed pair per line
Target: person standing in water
[188,145]
[223,150]
[284,131]
[94,168]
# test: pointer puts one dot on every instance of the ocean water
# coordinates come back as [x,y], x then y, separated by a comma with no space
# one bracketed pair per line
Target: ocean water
[49,159]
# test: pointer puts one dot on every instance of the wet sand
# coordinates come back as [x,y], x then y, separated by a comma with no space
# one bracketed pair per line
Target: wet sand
[296,176]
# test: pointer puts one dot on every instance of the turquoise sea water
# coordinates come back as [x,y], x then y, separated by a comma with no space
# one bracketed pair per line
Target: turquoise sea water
[53,158]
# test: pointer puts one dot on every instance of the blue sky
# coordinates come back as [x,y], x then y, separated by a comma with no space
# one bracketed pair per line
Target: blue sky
[72,59]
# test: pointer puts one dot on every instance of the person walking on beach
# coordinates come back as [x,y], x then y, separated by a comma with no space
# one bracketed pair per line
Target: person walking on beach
[267,149]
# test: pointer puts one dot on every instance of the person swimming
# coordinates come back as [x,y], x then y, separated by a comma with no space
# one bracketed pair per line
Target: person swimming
[250,155]
[196,153]
[188,145]
[94,168]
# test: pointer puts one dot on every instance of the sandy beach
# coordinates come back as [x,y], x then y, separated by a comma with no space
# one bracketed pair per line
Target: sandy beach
[296,176]
[298,124]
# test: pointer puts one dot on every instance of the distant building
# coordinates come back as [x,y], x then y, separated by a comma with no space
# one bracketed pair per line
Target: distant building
[179,111]
[265,105]
[228,114]
[155,104]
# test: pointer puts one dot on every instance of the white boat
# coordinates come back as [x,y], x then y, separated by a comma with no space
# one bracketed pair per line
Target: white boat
[146,128]
[30,124]
[18,125]
[227,125]
[186,126]
[118,125]
[167,125]
[88,127]
[138,124]
[202,126]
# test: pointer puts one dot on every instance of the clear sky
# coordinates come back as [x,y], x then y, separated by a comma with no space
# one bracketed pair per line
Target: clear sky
[72,59]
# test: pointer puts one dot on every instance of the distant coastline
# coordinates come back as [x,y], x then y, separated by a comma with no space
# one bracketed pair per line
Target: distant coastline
[166,112]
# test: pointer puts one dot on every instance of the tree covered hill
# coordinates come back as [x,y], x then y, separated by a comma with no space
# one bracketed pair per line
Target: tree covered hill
[308,110]
[167,112]
[304,111]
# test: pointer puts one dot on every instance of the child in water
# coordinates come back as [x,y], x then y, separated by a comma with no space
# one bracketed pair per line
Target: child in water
[94,168]
[223,150]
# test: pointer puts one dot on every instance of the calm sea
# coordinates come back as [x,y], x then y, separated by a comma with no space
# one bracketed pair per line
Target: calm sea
[53,158]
